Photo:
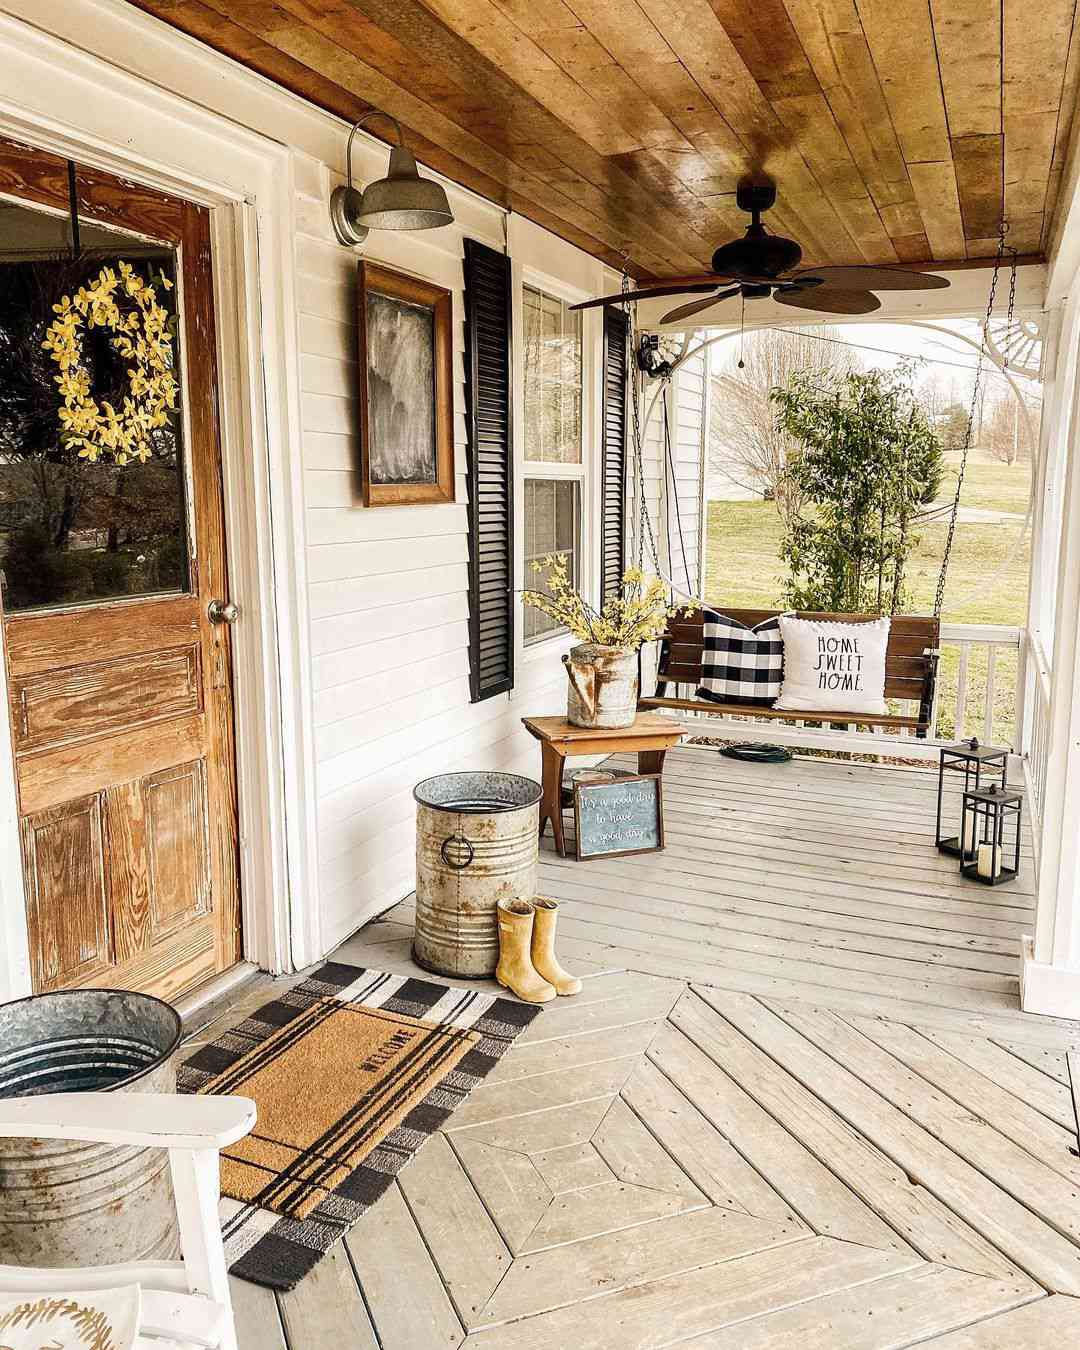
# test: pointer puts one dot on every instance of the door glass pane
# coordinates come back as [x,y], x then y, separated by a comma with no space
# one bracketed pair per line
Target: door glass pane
[91,481]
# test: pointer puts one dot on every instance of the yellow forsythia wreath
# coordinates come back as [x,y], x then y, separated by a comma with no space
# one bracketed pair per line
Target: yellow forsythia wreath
[140,334]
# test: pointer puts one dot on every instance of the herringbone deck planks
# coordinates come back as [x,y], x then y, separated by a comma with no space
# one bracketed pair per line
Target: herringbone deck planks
[743,1163]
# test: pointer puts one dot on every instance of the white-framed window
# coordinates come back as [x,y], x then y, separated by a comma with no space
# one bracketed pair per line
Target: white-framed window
[553,441]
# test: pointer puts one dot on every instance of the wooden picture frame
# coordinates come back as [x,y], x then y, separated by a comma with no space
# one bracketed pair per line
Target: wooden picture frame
[406,445]
[590,791]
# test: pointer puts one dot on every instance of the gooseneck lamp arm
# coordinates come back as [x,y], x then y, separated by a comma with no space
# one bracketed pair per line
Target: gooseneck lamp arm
[345,201]
[371,112]
[400,201]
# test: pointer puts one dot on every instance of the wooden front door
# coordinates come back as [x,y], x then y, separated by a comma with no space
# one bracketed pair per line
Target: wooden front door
[120,690]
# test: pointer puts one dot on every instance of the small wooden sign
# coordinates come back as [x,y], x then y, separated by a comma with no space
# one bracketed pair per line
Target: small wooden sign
[619,817]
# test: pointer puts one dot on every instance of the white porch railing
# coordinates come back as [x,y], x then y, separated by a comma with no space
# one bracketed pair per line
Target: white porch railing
[977,694]
[1038,746]
[978,684]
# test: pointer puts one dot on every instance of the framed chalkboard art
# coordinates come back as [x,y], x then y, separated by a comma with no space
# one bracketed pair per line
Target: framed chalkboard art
[406,389]
[625,815]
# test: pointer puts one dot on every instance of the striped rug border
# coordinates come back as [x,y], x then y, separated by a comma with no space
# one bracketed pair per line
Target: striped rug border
[277,1252]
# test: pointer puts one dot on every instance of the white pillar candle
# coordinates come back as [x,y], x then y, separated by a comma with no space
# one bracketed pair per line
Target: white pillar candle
[968,832]
[988,863]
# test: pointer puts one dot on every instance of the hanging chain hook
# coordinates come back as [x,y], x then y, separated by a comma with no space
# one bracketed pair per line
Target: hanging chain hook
[1012,294]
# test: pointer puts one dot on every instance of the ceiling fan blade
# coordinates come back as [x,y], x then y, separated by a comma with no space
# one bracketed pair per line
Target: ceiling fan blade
[874,278]
[647,293]
[828,300]
[685,279]
[697,306]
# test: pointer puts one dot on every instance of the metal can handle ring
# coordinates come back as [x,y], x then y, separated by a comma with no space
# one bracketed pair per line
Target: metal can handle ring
[457,839]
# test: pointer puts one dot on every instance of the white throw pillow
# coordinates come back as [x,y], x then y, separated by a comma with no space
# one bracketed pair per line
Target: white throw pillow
[833,667]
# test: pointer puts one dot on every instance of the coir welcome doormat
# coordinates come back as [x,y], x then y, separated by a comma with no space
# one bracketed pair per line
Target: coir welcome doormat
[351,1071]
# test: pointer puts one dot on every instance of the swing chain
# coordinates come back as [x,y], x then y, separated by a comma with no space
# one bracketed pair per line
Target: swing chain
[1012,307]
[939,595]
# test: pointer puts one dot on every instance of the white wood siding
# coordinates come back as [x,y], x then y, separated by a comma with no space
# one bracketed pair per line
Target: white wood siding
[678,548]
[388,587]
[687,447]
[373,604]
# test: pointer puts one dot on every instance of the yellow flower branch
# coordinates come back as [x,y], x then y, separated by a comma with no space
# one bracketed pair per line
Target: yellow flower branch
[637,613]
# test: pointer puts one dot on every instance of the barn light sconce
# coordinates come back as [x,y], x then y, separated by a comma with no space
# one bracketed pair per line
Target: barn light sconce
[400,201]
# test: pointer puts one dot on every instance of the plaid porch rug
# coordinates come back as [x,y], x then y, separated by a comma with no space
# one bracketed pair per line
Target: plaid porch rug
[351,1071]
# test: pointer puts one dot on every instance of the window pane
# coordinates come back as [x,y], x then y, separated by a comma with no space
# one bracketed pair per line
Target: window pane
[531,326]
[551,337]
[552,364]
[549,418]
[571,349]
[73,530]
[551,526]
[570,444]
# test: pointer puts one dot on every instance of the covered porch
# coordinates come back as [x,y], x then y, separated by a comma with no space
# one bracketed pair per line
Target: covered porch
[779,878]
[817,1090]
[796,1100]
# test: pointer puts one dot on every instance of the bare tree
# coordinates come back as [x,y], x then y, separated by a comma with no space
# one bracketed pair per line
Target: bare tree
[1007,433]
[938,391]
[745,443]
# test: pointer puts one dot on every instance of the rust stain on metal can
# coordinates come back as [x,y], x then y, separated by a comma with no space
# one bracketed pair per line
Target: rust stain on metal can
[68,1203]
[476,844]
[603,686]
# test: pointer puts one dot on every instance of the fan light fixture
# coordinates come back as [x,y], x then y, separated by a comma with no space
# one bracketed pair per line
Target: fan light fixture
[400,201]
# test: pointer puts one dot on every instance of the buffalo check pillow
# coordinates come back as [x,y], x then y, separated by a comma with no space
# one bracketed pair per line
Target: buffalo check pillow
[740,664]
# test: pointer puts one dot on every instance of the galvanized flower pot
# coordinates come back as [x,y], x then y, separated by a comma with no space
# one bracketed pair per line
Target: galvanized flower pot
[477,842]
[603,686]
[76,1204]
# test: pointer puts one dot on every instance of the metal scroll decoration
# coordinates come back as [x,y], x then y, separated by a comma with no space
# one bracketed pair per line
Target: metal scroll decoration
[1017,345]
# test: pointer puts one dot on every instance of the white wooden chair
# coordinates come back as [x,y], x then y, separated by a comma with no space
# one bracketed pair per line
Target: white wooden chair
[185,1303]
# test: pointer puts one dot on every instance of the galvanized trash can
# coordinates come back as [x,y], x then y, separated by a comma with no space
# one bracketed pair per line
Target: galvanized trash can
[76,1204]
[477,842]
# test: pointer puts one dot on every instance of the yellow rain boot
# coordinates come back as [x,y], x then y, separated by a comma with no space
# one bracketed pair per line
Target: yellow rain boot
[543,947]
[515,970]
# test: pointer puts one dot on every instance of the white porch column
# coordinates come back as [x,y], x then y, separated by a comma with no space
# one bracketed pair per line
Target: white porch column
[1050,975]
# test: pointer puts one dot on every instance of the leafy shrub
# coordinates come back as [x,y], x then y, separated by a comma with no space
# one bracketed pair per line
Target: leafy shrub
[36,572]
[870,458]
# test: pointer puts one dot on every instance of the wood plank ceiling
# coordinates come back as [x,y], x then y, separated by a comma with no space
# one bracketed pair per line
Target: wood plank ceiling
[897,130]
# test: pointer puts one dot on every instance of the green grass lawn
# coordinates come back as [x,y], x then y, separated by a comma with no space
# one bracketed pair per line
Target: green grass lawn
[991,485]
[742,568]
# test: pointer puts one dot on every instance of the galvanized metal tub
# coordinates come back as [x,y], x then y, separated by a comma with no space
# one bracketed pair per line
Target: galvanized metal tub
[477,843]
[76,1204]
[603,686]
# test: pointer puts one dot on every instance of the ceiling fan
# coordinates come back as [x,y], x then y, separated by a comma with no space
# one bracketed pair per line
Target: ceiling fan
[762,264]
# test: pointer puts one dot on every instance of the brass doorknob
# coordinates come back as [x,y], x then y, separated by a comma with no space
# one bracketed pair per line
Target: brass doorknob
[222,611]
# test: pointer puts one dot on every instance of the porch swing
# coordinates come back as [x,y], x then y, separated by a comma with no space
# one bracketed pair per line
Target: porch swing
[913,651]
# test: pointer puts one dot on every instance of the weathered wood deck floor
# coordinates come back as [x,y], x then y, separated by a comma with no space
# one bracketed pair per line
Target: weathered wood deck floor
[795,1106]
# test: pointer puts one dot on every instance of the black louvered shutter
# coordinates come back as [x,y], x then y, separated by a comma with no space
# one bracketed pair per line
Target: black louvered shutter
[613,453]
[488,308]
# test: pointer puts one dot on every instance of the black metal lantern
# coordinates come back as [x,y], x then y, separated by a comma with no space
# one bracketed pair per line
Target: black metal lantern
[996,815]
[977,763]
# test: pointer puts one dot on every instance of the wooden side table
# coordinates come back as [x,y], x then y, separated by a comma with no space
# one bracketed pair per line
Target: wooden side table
[652,736]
